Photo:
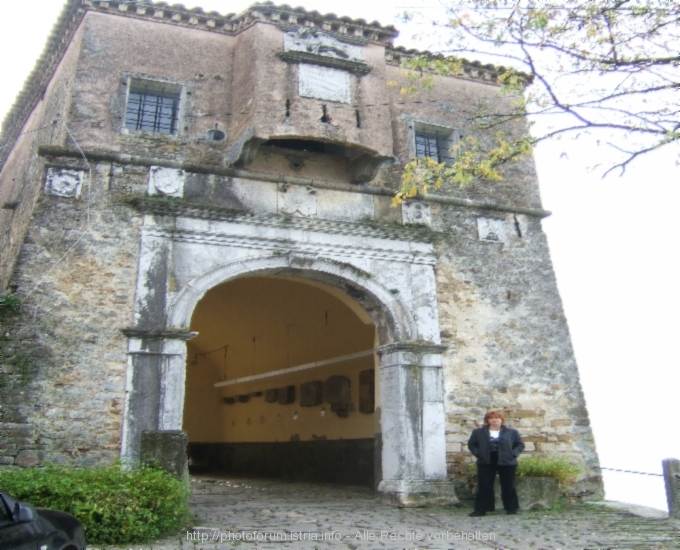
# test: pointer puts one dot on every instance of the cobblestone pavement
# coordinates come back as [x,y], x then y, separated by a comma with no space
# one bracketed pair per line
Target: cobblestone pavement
[265,514]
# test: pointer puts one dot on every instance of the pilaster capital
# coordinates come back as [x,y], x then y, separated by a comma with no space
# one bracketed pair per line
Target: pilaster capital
[177,333]
[422,354]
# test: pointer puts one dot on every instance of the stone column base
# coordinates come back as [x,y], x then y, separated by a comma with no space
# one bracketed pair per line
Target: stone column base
[414,493]
[167,449]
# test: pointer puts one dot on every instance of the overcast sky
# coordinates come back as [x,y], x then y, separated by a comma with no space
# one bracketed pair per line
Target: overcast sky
[614,245]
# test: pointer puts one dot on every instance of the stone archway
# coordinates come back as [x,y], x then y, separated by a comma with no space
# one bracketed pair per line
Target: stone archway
[392,318]
[413,452]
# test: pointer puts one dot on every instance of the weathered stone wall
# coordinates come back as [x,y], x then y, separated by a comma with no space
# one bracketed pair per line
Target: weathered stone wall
[77,282]
[21,176]
[509,344]
[236,82]
[116,49]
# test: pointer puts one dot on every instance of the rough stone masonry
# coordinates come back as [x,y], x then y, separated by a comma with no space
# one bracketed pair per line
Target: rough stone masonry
[158,152]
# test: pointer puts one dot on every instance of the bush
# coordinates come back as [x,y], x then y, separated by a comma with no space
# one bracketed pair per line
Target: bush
[559,468]
[9,302]
[114,506]
[537,466]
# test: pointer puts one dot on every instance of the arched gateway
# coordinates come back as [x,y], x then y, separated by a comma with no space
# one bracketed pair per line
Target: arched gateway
[391,280]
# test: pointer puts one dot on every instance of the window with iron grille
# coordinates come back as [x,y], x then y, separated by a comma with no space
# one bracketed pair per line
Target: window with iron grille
[434,142]
[153,107]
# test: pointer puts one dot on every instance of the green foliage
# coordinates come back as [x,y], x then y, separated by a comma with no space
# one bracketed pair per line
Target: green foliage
[114,506]
[473,161]
[9,303]
[538,466]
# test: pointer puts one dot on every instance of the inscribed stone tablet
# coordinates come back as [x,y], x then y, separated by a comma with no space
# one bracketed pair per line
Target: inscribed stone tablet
[324,83]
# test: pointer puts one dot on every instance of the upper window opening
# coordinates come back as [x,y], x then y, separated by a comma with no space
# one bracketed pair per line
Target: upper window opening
[434,142]
[153,107]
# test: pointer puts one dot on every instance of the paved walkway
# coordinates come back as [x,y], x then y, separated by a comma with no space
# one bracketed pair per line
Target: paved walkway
[266,514]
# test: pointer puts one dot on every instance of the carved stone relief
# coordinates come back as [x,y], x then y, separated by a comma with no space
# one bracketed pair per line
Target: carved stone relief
[62,182]
[295,199]
[491,229]
[319,43]
[416,213]
[168,182]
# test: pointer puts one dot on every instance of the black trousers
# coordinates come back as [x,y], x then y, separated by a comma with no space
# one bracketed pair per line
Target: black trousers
[486,475]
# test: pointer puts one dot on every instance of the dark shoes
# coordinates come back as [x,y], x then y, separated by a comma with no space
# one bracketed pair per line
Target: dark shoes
[479,514]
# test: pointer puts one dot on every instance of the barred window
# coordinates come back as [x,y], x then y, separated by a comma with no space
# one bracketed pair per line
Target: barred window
[434,142]
[153,107]
[427,146]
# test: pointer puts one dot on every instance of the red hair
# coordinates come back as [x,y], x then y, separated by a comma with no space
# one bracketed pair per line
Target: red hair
[494,414]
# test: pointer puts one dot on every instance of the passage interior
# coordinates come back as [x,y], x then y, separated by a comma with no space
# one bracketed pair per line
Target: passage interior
[257,326]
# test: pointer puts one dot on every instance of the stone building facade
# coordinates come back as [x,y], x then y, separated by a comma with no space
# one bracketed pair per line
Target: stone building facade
[198,222]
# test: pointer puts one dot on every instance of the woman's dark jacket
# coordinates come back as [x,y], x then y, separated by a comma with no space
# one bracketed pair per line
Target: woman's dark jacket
[510,445]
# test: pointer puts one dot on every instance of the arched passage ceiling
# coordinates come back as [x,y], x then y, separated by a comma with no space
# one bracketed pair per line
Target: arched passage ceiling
[271,323]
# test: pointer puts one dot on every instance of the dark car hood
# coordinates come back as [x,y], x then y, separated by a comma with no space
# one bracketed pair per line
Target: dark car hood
[62,521]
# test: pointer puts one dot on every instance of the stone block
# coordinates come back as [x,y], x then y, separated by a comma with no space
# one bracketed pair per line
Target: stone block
[535,438]
[29,458]
[167,449]
[561,422]
[384,211]
[533,492]
[457,438]
[453,447]
[523,413]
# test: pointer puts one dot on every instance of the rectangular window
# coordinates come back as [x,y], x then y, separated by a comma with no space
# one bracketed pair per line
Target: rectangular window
[434,142]
[427,146]
[153,107]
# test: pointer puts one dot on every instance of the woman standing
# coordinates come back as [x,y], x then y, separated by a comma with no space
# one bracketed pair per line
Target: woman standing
[496,447]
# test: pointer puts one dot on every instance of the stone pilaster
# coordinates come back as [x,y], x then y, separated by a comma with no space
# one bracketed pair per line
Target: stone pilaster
[154,395]
[413,438]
